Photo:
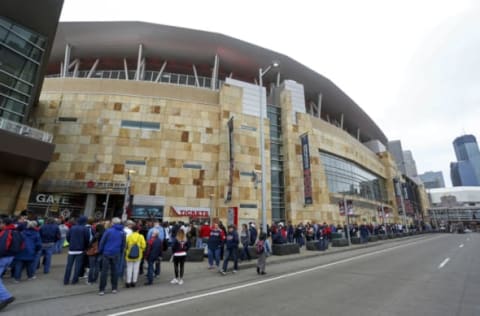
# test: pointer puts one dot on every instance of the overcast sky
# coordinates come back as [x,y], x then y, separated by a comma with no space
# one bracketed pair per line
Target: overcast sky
[413,66]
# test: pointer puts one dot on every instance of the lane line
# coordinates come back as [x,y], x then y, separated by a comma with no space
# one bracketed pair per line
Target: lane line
[444,262]
[461,246]
[288,275]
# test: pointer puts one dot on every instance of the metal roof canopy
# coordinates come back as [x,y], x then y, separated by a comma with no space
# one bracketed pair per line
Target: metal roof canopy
[120,40]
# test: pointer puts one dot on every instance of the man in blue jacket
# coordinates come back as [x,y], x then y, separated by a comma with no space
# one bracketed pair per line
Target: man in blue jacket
[78,238]
[50,234]
[232,242]
[111,248]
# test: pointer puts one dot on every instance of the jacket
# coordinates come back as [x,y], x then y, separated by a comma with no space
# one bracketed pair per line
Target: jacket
[180,248]
[138,239]
[78,237]
[216,239]
[50,233]
[113,241]
[154,249]
[245,237]
[33,244]
[232,240]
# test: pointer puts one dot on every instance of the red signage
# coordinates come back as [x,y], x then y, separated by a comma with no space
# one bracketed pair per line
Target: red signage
[193,212]
[90,184]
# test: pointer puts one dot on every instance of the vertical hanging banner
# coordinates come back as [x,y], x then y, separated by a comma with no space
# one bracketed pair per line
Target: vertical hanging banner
[307,172]
[232,161]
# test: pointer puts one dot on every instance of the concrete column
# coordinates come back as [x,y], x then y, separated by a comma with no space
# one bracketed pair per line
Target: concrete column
[24,195]
[90,204]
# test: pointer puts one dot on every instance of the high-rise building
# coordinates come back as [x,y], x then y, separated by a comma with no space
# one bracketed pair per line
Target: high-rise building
[432,179]
[404,159]
[466,151]
[27,31]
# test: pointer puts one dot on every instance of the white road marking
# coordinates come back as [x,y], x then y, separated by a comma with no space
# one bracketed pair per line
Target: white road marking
[288,275]
[461,246]
[444,262]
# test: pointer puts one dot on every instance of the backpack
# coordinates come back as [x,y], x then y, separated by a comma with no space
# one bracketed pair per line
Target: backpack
[134,252]
[260,247]
[11,243]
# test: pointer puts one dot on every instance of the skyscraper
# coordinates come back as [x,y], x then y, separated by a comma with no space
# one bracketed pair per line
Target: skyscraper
[432,179]
[466,171]
[404,159]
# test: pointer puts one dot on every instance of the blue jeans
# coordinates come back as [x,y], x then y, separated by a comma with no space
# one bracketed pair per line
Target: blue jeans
[94,264]
[152,269]
[109,263]
[245,253]
[4,263]
[121,264]
[231,253]
[28,264]
[71,259]
[199,243]
[47,253]
[211,253]
[59,245]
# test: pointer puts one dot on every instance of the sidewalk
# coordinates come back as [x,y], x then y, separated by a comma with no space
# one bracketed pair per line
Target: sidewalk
[47,287]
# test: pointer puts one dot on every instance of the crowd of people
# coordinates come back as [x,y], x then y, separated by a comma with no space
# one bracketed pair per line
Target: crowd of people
[112,249]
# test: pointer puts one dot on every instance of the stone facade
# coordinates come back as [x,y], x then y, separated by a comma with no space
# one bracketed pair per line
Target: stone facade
[85,116]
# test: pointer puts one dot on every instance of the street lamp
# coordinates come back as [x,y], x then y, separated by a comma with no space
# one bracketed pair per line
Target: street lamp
[127,195]
[262,73]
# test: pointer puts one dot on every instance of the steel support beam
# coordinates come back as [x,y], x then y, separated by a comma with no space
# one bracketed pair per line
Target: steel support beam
[341,121]
[159,76]
[216,64]
[66,61]
[320,99]
[278,79]
[125,68]
[139,62]
[358,134]
[92,70]
[75,70]
[197,83]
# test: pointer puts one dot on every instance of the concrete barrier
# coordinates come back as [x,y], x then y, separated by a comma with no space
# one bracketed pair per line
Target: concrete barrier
[339,243]
[166,254]
[252,251]
[285,249]
[195,254]
[355,240]
[372,238]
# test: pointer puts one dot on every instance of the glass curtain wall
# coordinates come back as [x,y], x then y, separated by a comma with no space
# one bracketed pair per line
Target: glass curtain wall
[276,163]
[347,177]
[21,52]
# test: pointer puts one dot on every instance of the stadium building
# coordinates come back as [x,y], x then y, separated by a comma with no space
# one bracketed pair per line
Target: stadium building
[165,121]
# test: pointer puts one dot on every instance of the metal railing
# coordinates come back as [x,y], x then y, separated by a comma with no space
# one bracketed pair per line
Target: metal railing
[25,130]
[151,76]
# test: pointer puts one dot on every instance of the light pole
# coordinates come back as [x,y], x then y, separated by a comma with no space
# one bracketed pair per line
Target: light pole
[127,195]
[106,204]
[347,218]
[262,73]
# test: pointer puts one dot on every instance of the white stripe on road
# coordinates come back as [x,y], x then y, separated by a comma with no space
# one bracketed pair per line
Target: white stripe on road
[444,262]
[461,246]
[288,275]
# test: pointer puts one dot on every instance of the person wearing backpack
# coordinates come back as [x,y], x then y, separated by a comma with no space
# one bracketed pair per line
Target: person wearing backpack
[94,259]
[26,257]
[263,251]
[6,258]
[133,255]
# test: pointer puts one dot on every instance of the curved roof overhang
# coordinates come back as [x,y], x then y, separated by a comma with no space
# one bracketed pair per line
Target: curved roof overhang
[118,40]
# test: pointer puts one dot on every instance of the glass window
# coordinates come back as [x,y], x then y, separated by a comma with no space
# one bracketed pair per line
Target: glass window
[347,177]
[140,124]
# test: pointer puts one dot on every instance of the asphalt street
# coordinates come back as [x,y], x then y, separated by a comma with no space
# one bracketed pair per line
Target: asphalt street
[435,276]
[425,275]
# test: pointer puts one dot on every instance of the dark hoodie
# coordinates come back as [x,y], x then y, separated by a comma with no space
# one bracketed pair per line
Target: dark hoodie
[113,241]
[79,235]
[33,244]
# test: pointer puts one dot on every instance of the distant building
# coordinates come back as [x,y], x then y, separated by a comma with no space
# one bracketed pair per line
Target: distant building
[466,171]
[404,159]
[432,179]
[454,205]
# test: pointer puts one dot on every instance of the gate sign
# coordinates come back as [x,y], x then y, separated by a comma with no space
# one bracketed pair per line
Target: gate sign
[193,212]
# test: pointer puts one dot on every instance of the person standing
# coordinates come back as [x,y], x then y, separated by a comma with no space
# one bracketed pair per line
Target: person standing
[6,259]
[215,244]
[180,247]
[63,236]
[245,239]
[162,235]
[78,238]
[26,257]
[263,251]
[232,242]
[204,234]
[133,255]
[50,235]
[94,259]
[111,248]
[153,254]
